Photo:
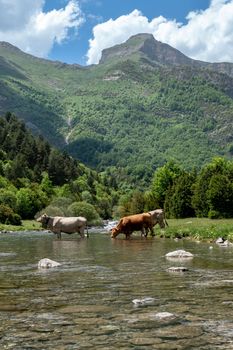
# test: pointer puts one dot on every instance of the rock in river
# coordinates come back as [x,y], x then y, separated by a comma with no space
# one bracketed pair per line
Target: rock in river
[143,301]
[47,263]
[177,269]
[179,254]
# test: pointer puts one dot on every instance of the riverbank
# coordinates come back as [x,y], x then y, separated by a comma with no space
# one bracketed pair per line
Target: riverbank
[202,229]
[27,225]
[195,228]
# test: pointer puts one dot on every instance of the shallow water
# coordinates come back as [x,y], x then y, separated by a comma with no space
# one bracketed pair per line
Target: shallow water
[86,303]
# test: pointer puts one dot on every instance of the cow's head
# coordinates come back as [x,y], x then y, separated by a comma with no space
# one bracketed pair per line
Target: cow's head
[114,232]
[44,219]
[158,217]
[161,221]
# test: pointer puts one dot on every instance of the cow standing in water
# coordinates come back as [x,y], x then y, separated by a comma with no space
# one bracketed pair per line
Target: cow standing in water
[138,222]
[158,217]
[59,224]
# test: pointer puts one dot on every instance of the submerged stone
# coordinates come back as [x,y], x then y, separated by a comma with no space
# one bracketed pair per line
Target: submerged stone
[179,254]
[163,315]
[47,263]
[177,269]
[143,301]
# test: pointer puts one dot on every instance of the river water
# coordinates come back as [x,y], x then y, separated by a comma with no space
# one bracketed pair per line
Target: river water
[87,302]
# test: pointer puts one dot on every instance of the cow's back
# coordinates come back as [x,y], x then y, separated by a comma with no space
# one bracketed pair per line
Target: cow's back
[71,224]
[136,221]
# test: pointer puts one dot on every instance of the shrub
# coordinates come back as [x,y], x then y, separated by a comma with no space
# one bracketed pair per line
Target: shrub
[87,210]
[214,214]
[7,216]
[51,211]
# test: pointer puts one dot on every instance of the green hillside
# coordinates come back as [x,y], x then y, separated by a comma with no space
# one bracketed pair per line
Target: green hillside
[144,104]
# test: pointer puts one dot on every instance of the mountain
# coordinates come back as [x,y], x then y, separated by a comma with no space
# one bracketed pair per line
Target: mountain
[143,104]
[162,54]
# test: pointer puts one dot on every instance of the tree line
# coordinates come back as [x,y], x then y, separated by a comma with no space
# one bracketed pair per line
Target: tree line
[36,177]
[207,193]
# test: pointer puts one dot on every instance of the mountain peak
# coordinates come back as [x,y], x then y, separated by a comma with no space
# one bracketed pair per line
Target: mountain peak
[148,47]
[8,46]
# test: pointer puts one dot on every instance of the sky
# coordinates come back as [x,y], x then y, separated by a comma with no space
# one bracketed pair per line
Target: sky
[76,31]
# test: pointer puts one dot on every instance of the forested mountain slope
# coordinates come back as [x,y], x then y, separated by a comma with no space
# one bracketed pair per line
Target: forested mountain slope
[143,104]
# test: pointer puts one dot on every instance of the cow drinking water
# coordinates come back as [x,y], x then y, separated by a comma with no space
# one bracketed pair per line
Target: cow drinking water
[138,222]
[58,224]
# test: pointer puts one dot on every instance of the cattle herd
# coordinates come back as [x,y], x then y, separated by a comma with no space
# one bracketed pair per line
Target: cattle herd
[143,222]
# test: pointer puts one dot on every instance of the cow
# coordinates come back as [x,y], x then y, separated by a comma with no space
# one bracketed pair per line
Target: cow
[138,222]
[58,224]
[158,217]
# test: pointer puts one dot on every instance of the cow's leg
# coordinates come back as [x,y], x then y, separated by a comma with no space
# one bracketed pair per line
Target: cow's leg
[152,231]
[59,235]
[127,234]
[81,232]
[143,232]
[87,232]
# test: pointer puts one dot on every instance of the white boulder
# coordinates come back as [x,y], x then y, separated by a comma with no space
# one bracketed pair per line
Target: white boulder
[164,315]
[179,254]
[47,263]
[143,301]
[223,242]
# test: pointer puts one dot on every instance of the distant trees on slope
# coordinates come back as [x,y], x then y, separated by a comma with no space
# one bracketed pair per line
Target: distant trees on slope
[35,177]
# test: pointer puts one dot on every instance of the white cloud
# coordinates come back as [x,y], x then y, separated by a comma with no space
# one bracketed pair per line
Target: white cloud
[24,24]
[207,35]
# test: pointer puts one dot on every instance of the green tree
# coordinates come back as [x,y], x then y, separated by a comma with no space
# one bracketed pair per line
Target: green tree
[178,202]
[8,197]
[137,202]
[208,192]
[29,201]
[7,216]
[220,196]
[46,184]
[163,179]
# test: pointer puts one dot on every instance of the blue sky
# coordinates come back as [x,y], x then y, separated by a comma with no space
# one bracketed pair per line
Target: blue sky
[76,31]
[74,51]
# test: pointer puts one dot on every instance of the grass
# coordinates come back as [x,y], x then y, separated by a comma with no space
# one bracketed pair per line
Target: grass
[27,225]
[197,228]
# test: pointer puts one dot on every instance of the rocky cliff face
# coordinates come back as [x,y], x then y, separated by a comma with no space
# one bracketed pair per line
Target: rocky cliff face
[147,47]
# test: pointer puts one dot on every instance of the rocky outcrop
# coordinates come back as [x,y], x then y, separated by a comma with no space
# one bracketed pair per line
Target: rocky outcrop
[157,53]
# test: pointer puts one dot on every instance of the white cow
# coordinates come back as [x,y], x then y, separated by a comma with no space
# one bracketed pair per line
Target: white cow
[158,217]
[58,224]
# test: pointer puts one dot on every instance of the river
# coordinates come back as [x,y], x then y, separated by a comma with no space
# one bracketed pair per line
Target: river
[87,302]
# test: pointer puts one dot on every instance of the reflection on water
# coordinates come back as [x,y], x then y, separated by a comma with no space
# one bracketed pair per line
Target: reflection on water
[87,302]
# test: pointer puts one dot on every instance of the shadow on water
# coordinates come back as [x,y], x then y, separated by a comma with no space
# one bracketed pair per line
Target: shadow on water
[87,302]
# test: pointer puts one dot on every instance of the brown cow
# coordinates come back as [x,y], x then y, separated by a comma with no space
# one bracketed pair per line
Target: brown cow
[158,217]
[138,222]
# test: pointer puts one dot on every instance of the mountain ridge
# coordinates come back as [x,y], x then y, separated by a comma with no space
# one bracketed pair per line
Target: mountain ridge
[161,53]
